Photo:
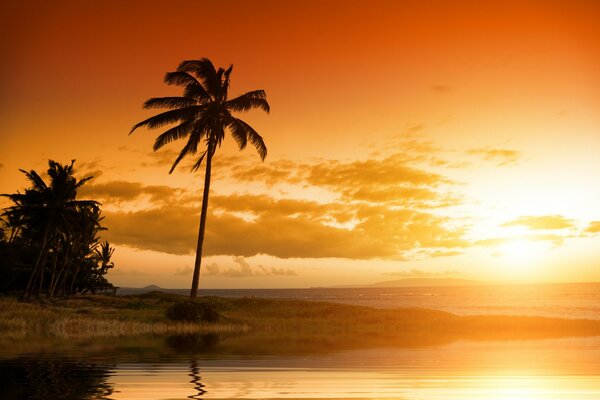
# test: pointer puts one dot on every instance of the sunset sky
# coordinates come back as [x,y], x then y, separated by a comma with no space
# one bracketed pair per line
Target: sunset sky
[407,139]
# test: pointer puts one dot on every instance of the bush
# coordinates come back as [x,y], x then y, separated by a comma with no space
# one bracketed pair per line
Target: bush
[193,311]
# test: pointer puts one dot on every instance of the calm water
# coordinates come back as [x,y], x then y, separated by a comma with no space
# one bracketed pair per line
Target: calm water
[233,366]
[566,369]
[573,300]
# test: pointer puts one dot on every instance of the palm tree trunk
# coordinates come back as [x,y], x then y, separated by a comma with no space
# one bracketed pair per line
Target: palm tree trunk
[40,259]
[196,277]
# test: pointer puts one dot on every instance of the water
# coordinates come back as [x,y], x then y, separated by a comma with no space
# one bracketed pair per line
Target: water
[571,300]
[559,369]
[247,367]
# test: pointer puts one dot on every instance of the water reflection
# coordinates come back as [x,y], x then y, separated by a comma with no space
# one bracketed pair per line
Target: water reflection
[202,368]
[196,380]
[54,378]
[194,343]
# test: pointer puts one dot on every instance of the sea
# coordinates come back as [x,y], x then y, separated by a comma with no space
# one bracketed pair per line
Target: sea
[560,300]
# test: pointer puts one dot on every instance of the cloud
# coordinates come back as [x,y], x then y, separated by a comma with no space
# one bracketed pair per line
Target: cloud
[120,191]
[444,253]
[417,273]
[270,173]
[244,270]
[543,222]
[557,240]
[162,158]
[284,228]
[125,272]
[389,171]
[378,209]
[501,157]
[594,227]
[184,271]
[166,229]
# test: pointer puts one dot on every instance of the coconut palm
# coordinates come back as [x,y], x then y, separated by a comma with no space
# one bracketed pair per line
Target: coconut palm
[45,211]
[203,114]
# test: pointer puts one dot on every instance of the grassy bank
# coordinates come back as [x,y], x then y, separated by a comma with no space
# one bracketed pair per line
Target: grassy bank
[288,322]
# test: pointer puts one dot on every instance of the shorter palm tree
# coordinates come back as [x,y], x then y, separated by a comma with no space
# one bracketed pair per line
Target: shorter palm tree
[45,211]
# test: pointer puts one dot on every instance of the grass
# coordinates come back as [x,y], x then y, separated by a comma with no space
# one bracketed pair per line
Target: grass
[97,316]
[258,326]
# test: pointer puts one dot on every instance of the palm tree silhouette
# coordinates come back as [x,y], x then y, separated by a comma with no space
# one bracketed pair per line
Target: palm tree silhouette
[204,112]
[48,211]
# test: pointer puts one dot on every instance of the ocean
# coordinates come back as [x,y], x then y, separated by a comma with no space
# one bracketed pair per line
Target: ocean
[565,300]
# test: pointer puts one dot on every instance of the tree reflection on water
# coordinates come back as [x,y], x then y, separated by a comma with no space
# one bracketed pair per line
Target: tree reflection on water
[54,378]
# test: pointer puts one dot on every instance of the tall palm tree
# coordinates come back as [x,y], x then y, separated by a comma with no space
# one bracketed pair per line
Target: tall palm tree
[203,113]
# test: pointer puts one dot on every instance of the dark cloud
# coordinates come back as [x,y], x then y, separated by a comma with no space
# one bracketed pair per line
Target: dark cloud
[542,222]
[501,157]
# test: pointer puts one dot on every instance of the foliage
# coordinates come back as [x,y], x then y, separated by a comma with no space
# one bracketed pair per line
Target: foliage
[193,311]
[50,238]
[203,113]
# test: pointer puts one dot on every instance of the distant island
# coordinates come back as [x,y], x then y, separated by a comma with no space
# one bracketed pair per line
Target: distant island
[416,282]
[411,282]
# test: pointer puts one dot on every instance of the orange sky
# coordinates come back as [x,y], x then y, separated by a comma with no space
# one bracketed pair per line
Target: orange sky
[406,139]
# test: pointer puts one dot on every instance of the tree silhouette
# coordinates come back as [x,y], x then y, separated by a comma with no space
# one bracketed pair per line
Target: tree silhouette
[49,221]
[203,113]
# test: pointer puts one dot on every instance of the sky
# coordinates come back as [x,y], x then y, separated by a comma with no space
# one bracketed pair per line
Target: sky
[406,139]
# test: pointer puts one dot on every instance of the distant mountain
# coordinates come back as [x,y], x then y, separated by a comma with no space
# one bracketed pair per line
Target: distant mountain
[151,288]
[418,282]
[147,289]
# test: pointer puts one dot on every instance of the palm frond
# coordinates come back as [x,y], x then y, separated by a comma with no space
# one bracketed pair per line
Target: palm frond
[175,133]
[168,117]
[247,101]
[82,181]
[35,179]
[192,87]
[169,102]
[199,161]
[196,135]
[225,85]
[182,154]
[239,128]
[205,71]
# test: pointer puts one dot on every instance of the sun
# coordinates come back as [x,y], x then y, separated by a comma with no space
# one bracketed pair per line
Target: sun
[518,250]
[521,258]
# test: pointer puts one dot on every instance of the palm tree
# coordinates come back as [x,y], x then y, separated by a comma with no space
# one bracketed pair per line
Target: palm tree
[45,211]
[203,113]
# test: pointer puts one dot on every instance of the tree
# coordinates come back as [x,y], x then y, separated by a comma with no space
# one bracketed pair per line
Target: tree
[48,219]
[203,113]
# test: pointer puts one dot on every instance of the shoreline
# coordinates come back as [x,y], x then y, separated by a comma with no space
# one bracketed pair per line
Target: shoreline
[89,317]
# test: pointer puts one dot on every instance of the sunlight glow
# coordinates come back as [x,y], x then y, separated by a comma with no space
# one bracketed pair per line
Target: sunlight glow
[518,250]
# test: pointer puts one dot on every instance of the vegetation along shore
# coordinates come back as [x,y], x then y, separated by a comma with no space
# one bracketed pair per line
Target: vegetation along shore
[162,314]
